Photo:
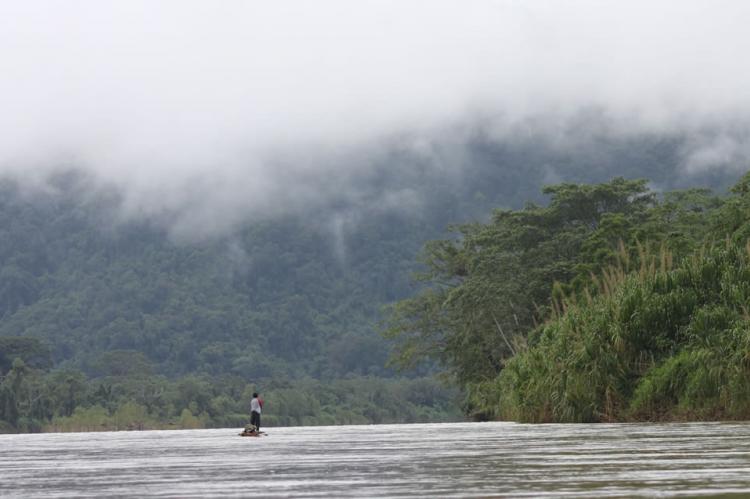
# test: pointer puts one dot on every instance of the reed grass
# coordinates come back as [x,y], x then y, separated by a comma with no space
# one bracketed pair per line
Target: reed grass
[653,341]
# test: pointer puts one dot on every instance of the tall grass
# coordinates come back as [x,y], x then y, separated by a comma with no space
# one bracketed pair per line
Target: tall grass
[653,342]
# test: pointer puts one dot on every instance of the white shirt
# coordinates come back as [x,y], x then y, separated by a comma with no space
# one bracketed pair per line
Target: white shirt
[255,405]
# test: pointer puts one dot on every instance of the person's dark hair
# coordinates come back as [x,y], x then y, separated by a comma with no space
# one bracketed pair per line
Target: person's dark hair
[255,395]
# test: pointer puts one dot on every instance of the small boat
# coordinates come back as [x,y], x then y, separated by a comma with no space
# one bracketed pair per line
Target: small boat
[251,431]
[252,434]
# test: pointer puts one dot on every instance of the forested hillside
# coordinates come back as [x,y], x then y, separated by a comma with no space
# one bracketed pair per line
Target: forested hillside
[104,310]
[272,300]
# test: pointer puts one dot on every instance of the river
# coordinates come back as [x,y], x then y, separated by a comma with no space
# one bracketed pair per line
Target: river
[421,460]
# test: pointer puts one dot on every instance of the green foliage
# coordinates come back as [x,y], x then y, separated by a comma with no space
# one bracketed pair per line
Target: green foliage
[65,400]
[361,400]
[93,418]
[32,351]
[145,327]
[670,344]
[272,299]
[489,287]
[188,421]
[624,333]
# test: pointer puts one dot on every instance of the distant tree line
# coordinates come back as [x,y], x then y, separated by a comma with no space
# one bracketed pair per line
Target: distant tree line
[35,398]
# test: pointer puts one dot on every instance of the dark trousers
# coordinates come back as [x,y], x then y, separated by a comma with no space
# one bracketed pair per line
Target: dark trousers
[255,419]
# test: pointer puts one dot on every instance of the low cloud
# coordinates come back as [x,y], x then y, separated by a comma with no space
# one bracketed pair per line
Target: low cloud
[206,113]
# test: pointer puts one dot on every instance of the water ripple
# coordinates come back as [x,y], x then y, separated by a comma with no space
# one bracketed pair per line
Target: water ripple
[437,460]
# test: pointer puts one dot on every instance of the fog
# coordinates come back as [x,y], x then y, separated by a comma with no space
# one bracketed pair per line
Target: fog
[241,108]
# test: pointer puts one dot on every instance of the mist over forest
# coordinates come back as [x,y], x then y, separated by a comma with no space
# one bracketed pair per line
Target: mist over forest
[233,195]
[207,116]
[290,294]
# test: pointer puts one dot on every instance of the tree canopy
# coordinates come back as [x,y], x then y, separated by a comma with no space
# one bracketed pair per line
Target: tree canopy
[564,312]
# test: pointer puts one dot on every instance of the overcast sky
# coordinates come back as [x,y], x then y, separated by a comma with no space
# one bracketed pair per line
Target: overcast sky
[158,96]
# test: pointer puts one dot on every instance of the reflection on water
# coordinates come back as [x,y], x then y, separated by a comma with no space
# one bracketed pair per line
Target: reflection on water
[437,460]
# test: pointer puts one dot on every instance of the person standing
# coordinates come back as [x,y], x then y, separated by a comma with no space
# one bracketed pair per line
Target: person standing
[256,405]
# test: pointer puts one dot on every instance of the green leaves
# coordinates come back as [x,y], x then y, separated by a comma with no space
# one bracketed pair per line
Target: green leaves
[489,286]
[637,302]
[671,344]
[32,351]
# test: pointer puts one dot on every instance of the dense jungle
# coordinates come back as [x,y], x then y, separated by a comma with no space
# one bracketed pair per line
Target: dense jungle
[541,284]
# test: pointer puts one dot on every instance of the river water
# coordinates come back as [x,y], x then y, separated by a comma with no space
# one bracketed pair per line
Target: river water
[430,460]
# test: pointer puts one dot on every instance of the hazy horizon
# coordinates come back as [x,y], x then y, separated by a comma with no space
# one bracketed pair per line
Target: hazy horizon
[243,107]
